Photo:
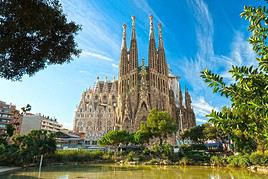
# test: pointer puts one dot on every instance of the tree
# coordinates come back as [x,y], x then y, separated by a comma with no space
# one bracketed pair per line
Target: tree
[27,148]
[142,136]
[211,132]
[26,109]
[160,124]
[115,137]
[195,134]
[35,144]
[246,120]
[33,35]
[10,130]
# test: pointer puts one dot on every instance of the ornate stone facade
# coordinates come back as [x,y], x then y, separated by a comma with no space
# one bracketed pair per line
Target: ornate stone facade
[125,103]
[95,113]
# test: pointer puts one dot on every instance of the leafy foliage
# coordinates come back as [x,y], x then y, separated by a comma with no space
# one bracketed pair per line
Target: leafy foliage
[195,134]
[34,34]
[201,133]
[27,148]
[77,156]
[160,124]
[257,17]
[246,120]
[115,137]
[142,136]
[10,130]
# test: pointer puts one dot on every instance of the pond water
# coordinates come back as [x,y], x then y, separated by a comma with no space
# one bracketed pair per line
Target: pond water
[132,172]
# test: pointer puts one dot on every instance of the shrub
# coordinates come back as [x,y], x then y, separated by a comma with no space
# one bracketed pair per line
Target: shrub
[185,161]
[233,161]
[244,161]
[264,160]
[130,156]
[218,161]
[239,161]
[167,150]
[153,162]
[255,158]
[76,156]
[146,151]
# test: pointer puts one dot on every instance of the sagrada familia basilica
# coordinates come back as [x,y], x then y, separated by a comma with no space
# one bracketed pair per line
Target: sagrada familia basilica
[126,102]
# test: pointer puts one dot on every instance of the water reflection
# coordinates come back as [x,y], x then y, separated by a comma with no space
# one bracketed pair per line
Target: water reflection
[133,172]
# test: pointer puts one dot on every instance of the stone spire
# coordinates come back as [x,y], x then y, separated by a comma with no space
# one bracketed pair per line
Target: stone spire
[123,55]
[152,47]
[180,96]
[133,56]
[133,35]
[187,99]
[160,45]
[162,67]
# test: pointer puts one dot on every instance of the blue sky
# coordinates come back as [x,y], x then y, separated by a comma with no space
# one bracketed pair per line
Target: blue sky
[197,34]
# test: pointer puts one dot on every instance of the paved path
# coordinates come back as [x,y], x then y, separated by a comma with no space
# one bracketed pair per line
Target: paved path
[5,169]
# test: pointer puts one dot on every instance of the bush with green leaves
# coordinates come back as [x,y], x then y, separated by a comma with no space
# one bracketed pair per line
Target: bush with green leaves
[185,161]
[258,158]
[28,148]
[78,156]
[218,161]
[238,161]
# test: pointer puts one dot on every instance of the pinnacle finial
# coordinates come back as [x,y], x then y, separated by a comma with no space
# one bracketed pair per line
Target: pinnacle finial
[160,35]
[151,27]
[124,43]
[133,21]
[142,62]
[133,35]
[160,29]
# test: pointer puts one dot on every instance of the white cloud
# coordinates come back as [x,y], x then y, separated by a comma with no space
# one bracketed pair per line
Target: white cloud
[241,53]
[114,65]
[87,53]
[202,107]
[145,7]
[94,22]
[68,125]
[205,29]
[201,120]
[84,72]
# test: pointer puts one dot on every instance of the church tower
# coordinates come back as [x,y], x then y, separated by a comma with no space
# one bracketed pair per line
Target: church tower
[126,102]
[158,71]
[122,79]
